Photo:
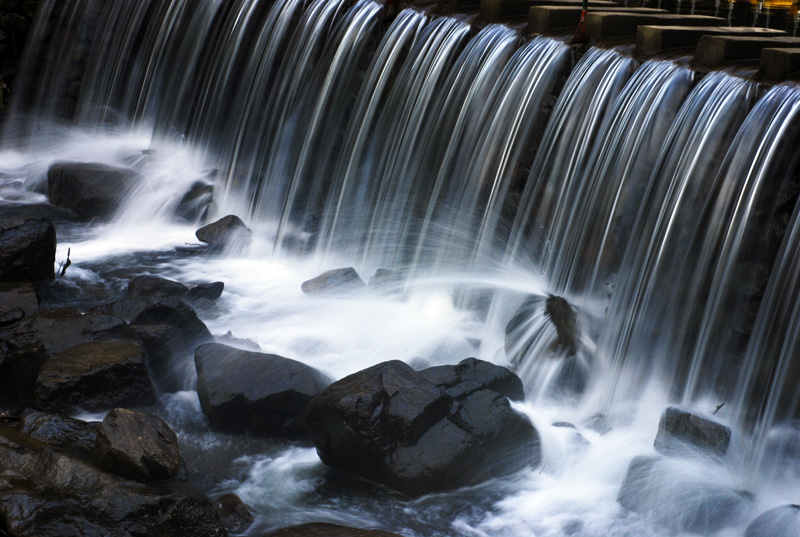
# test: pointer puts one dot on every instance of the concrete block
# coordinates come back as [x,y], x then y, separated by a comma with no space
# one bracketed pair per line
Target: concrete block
[546,19]
[603,26]
[652,40]
[715,50]
[780,63]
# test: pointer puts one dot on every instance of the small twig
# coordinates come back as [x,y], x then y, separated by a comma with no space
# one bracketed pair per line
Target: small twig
[719,407]
[65,265]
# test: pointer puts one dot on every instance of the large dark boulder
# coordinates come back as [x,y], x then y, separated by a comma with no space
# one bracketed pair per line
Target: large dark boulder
[138,445]
[208,291]
[21,357]
[227,232]
[679,431]
[404,429]
[74,435]
[783,521]
[664,492]
[250,391]
[523,331]
[28,252]
[340,280]
[177,314]
[90,190]
[95,376]
[321,529]
[50,492]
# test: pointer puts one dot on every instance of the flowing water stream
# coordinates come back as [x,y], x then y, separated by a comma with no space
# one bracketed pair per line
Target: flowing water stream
[488,171]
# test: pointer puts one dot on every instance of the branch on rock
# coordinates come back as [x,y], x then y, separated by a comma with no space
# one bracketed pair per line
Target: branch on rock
[64,265]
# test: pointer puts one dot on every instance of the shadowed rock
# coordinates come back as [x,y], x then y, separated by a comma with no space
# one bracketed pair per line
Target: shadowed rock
[234,513]
[210,291]
[250,391]
[90,190]
[155,288]
[783,521]
[193,206]
[679,430]
[20,295]
[134,444]
[565,320]
[225,232]
[319,529]
[28,252]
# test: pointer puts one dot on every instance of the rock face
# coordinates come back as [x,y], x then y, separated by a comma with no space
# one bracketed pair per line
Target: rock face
[28,252]
[134,444]
[249,391]
[51,492]
[420,432]
[91,190]
[94,376]
[781,521]
[661,490]
[225,232]
[341,280]
[328,530]
[679,430]
[210,291]
[193,206]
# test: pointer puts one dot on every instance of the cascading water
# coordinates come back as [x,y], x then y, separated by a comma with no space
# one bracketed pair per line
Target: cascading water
[659,206]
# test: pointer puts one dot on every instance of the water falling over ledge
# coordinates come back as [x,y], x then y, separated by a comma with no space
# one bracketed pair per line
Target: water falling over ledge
[488,171]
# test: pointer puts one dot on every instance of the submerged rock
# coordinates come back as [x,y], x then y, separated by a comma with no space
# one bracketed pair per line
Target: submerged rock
[386,280]
[679,430]
[134,444]
[675,497]
[226,232]
[249,391]
[783,521]
[193,206]
[95,376]
[320,529]
[209,291]
[21,356]
[334,281]
[28,252]
[564,318]
[421,432]
[90,190]
[50,492]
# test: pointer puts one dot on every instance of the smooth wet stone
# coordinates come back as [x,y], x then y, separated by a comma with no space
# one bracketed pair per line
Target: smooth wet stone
[342,280]
[138,445]
[155,288]
[90,190]
[390,424]
[243,391]
[226,232]
[60,431]
[234,513]
[28,252]
[95,376]
[679,430]
[210,291]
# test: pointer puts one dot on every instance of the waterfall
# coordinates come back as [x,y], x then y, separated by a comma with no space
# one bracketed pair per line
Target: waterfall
[504,180]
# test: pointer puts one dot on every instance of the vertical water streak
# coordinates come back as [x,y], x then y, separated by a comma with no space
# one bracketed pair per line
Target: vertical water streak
[652,291]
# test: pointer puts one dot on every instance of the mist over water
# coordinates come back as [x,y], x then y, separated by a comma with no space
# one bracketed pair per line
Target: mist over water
[489,172]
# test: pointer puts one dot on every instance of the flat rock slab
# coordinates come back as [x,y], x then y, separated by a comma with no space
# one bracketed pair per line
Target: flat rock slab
[652,40]
[780,63]
[603,26]
[546,19]
[715,50]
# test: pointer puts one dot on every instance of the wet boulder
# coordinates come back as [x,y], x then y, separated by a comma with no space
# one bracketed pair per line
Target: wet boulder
[193,206]
[321,529]
[90,190]
[176,313]
[471,375]
[155,288]
[249,391]
[74,435]
[28,252]
[334,281]
[234,513]
[95,376]
[680,496]
[206,291]
[21,356]
[138,445]
[226,232]
[51,492]
[679,430]
[404,429]
[783,521]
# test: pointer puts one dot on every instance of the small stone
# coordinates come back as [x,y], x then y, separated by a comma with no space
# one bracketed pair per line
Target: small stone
[210,291]
[234,513]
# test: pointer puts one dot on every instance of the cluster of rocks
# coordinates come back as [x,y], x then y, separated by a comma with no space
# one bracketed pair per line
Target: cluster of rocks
[663,489]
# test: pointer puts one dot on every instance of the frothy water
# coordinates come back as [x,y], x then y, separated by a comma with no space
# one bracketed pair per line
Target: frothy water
[489,173]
